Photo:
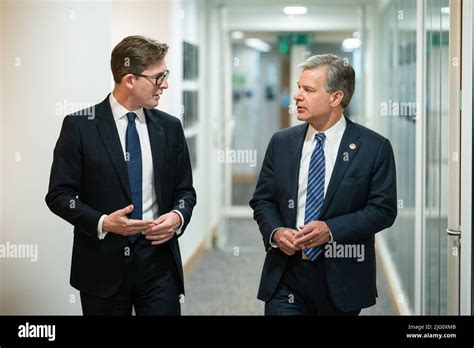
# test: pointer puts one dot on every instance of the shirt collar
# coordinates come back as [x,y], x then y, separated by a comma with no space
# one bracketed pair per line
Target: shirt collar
[119,111]
[332,134]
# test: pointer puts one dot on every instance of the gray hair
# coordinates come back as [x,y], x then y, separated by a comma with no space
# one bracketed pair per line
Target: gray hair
[340,75]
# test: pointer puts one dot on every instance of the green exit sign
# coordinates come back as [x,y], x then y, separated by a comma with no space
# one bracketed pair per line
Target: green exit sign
[286,40]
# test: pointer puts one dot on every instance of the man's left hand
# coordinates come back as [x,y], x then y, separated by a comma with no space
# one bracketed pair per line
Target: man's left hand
[312,234]
[165,227]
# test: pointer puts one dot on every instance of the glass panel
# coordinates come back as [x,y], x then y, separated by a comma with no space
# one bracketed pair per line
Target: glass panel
[255,117]
[437,94]
[395,99]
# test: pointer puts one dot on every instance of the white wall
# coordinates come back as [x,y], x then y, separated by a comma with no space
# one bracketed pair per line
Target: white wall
[215,116]
[65,59]
[188,23]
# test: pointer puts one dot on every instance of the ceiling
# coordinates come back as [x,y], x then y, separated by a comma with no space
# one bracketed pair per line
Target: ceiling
[270,17]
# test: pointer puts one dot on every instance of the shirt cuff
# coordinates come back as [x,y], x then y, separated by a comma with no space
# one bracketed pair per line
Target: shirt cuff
[101,235]
[178,231]
[271,236]
[331,239]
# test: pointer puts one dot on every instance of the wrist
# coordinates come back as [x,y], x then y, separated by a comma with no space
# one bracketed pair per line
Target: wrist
[105,224]
[274,236]
[178,221]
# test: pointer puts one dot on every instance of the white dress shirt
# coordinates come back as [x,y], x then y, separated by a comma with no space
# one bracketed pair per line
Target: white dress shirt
[149,200]
[331,147]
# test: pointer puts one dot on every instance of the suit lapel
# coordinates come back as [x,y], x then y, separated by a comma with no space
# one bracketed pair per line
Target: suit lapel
[348,150]
[296,147]
[110,137]
[157,136]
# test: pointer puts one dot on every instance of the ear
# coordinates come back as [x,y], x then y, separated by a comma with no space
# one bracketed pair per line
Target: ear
[128,81]
[336,98]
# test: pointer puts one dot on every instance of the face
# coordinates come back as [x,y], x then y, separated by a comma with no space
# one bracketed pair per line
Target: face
[144,91]
[312,101]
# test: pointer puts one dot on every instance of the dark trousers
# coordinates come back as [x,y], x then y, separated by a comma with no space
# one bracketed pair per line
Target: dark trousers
[303,290]
[149,284]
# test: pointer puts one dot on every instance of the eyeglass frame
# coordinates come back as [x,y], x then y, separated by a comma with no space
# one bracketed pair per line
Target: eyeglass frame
[163,76]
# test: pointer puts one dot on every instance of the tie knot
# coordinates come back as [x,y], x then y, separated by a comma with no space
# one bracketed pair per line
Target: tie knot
[131,116]
[320,137]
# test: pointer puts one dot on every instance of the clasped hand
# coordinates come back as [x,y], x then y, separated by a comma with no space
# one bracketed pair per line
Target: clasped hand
[158,231]
[309,236]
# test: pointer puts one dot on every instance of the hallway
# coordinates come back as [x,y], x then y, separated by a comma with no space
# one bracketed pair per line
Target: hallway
[223,282]
[233,76]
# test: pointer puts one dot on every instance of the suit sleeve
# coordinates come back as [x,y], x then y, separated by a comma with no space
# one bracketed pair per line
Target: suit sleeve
[381,208]
[264,200]
[184,195]
[63,197]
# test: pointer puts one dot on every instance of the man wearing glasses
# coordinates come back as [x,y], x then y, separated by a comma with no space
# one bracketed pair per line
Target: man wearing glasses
[123,178]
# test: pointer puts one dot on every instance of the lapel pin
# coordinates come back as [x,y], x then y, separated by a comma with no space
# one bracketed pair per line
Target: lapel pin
[352,146]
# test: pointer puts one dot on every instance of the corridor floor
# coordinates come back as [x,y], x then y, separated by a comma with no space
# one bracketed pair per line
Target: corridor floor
[225,281]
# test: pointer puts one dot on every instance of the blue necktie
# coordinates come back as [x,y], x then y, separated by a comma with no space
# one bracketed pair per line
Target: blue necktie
[134,166]
[315,190]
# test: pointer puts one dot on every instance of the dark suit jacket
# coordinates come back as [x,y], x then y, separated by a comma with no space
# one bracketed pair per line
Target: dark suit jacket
[89,178]
[360,201]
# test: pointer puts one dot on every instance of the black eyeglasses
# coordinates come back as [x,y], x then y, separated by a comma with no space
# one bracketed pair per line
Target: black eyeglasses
[158,79]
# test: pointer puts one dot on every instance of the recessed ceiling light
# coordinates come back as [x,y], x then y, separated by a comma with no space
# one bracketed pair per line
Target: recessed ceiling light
[350,44]
[237,35]
[258,45]
[295,10]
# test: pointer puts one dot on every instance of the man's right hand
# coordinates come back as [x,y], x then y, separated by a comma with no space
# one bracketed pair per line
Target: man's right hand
[284,238]
[119,223]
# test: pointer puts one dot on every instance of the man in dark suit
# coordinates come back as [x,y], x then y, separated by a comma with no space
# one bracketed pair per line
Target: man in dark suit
[325,188]
[121,175]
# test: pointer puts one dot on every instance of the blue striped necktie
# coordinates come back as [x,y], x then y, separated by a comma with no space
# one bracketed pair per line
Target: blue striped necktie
[315,190]
[134,167]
